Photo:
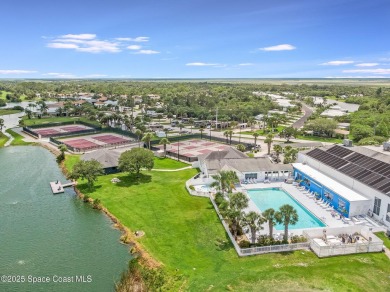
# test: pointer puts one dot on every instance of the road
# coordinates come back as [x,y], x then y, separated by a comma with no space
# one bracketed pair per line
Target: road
[308,112]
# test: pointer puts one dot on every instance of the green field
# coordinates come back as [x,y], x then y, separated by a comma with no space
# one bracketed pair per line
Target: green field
[386,240]
[18,139]
[185,235]
[167,163]
[4,112]
[3,139]
[320,139]
[36,121]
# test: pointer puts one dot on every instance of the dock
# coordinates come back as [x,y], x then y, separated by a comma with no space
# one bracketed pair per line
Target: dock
[57,187]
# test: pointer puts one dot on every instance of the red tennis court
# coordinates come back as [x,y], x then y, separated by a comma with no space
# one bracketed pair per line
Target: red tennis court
[110,139]
[57,131]
[193,148]
[81,144]
[47,132]
[73,129]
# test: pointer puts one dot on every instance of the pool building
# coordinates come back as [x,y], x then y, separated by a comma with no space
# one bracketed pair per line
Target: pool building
[355,180]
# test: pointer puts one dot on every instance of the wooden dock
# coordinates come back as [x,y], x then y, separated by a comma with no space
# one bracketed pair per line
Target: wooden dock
[57,187]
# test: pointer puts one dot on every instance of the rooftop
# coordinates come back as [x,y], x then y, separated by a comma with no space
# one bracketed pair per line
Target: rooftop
[330,183]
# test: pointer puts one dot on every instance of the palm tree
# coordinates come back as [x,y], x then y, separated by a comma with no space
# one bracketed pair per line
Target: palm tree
[254,221]
[224,180]
[191,122]
[231,210]
[201,130]
[139,134]
[28,112]
[1,124]
[269,216]
[147,138]
[278,149]
[226,134]
[181,126]
[286,215]
[255,135]
[166,131]
[252,122]
[62,148]
[165,141]
[268,140]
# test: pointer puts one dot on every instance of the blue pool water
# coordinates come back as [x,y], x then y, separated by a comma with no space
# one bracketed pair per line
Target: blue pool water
[275,198]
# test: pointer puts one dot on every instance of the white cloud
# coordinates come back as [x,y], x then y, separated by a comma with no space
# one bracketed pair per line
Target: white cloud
[83,36]
[147,52]
[16,72]
[90,43]
[200,64]
[85,43]
[337,63]
[246,64]
[367,64]
[283,47]
[371,71]
[140,39]
[60,75]
[62,46]
[134,47]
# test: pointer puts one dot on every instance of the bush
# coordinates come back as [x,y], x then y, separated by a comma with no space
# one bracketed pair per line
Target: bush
[86,199]
[244,244]
[374,140]
[191,187]
[297,239]
[60,158]
[219,198]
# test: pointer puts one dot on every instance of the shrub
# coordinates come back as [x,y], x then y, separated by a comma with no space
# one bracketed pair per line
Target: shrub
[60,158]
[219,198]
[244,244]
[374,140]
[86,199]
[191,187]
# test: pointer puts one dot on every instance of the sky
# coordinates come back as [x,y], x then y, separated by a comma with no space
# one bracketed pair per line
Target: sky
[195,39]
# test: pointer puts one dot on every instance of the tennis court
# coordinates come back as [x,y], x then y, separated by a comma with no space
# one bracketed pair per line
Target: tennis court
[61,130]
[192,148]
[95,141]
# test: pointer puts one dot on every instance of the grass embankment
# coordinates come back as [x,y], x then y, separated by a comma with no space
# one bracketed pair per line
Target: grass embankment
[18,139]
[3,139]
[386,240]
[36,121]
[167,163]
[4,112]
[185,235]
[320,139]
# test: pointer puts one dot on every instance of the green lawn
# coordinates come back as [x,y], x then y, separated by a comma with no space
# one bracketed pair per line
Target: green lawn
[71,160]
[184,233]
[386,240]
[3,94]
[36,121]
[168,163]
[4,112]
[3,139]
[320,139]
[18,139]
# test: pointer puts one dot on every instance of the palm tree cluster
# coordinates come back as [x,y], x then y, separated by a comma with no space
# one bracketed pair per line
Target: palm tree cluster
[231,206]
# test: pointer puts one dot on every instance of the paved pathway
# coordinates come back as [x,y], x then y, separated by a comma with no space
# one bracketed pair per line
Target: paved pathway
[178,169]
[308,112]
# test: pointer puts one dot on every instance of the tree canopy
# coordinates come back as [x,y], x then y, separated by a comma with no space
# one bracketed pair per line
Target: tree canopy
[135,159]
[89,170]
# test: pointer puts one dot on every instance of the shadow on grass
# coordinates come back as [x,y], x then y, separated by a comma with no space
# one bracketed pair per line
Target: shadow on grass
[223,244]
[86,190]
[131,180]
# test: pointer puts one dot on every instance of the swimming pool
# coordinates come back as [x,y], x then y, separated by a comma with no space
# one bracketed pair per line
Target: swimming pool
[275,198]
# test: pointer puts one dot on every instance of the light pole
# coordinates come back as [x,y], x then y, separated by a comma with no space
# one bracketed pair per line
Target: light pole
[178,148]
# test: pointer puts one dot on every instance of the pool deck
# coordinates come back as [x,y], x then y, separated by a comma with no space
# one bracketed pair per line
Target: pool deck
[303,199]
